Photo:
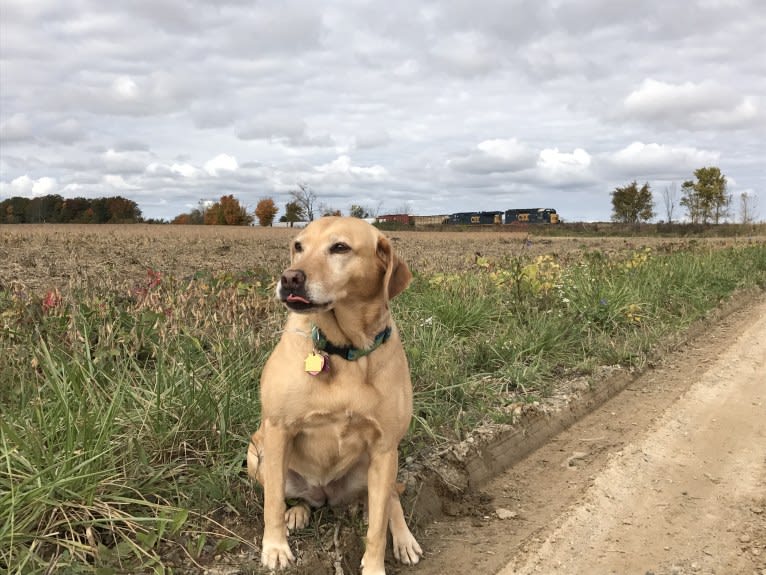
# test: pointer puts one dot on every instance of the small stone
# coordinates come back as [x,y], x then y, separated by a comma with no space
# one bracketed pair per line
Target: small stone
[505,513]
[744,538]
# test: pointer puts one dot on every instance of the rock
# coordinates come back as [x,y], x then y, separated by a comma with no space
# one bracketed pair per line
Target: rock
[505,513]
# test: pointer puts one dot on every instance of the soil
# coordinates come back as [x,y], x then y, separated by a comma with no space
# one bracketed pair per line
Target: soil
[667,477]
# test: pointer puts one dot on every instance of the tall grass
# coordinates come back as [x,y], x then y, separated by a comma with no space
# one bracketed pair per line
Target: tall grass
[126,409]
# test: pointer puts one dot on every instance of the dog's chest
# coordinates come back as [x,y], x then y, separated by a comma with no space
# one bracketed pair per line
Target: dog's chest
[334,441]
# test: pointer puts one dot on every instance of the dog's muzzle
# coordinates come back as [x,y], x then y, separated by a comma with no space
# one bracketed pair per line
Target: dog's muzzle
[294,293]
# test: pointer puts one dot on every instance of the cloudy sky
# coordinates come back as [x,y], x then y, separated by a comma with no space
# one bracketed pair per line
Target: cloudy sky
[429,107]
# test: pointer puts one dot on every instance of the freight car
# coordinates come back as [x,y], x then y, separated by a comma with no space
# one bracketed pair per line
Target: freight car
[404,219]
[531,216]
[467,218]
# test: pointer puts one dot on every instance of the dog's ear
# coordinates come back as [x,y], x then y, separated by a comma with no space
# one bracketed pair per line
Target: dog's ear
[398,275]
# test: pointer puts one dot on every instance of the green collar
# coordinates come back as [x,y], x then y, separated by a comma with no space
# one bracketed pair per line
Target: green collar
[347,352]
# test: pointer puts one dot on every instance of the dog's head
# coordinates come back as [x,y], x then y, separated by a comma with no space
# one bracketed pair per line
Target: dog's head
[339,261]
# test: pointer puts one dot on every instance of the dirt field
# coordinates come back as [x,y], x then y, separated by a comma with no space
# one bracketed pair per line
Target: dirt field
[669,477]
[43,257]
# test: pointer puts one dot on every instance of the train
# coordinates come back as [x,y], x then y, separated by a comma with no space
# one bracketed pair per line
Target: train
[507,217]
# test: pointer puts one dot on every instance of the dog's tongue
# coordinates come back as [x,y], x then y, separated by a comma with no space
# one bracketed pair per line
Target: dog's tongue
[292,297]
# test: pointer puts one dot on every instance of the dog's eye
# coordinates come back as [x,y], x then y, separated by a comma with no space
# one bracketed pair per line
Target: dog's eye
[298,247]
[340,248]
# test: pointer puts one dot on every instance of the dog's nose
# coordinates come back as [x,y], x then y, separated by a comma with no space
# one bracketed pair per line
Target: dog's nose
[293,279]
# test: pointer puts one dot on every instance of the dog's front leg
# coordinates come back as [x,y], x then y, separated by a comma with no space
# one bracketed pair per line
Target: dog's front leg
[380,481]
[275,552]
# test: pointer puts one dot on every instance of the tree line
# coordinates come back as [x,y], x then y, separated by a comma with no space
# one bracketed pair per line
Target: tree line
[55,209]
[304,205]
[705,198]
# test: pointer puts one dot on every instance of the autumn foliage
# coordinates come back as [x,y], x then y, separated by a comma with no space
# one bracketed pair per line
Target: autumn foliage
[266,211]
[227,212]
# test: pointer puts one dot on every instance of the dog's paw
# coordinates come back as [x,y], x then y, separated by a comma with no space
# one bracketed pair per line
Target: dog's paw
[406,548]
[276,555]
[371,571]
[297,517]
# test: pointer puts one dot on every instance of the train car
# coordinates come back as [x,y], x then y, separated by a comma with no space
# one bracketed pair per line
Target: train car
[405,219]
[473,218]
[531,216]
[429,220]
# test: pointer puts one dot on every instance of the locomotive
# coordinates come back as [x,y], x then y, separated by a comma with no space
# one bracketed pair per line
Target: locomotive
[516,216]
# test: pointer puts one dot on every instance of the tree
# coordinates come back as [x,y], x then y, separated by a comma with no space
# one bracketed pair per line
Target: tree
[670,200]
[44,209]
[305,197]
[121,210]
[227,212]
[266,211]
[293,213]
[195,217]
[357,211]
[706,199]
[748,207]
[54,208]
[632,205]
[327,210]
[74,210]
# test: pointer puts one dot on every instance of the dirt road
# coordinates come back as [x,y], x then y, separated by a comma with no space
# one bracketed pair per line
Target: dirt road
[669,477]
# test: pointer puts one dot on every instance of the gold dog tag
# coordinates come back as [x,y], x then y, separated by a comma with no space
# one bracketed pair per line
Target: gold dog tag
[315,363]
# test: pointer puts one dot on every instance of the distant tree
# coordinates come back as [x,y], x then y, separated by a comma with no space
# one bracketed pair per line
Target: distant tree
[44,209]
[748,208]
[266,211]
[55,209]
[181,220]
[75,210]
[195,217]
[357,211]
[326,210]
[227,212]
[670,200]
[705,198]
[631,204]
[293,213]
[14,210]
[120,210]
[305,197]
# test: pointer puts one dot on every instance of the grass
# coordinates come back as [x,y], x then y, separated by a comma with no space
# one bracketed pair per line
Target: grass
[127,407]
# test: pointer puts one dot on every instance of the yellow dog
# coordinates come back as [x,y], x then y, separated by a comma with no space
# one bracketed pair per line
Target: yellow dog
[336,396]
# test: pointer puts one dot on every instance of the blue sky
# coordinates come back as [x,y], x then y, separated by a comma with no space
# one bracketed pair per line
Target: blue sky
[429,107]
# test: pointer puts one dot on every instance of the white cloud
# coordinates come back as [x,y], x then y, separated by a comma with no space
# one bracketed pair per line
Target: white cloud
[646,161]
[690,105]
[28,187]
[118,182]
[125,89]
[16,128]
[341,169]
[66,131]
[220,164]
[186,170]
[269,126]
[563,167]
[371,139]
[125,162]
[496,155]
[466,53]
